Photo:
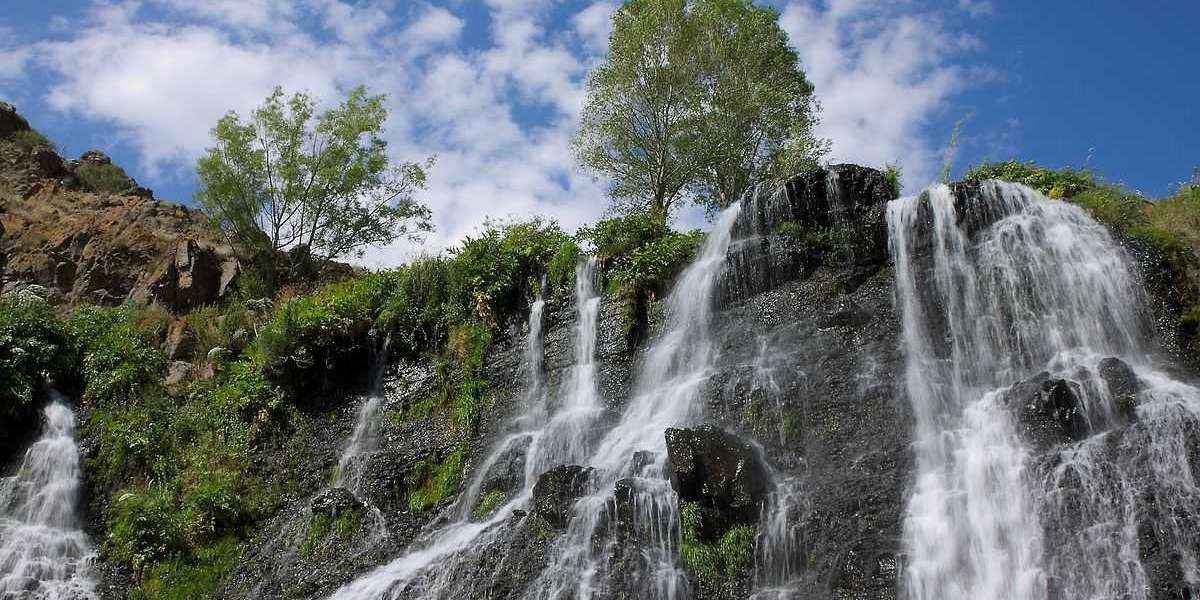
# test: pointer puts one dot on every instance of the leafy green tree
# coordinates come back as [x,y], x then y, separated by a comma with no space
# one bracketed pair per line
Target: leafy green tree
[288,178]
[641,124]
[696,97]
[760,113]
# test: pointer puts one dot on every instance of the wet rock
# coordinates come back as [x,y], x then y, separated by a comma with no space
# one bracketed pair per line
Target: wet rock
[335,501]
[556,491]
[1123,384]
[717,469]
[867,572]
[1049,410]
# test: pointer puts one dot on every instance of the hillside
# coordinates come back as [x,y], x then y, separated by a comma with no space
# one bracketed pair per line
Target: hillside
[89,234]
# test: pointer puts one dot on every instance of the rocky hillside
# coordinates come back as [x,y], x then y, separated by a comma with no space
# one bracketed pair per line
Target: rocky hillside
[88,233]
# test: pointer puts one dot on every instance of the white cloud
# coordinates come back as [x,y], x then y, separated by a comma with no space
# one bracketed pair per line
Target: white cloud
[976,8]
[881,76]
[162,81]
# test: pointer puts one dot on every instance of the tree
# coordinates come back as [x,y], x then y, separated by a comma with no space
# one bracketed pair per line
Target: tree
[699,97]
[641,123]
[760,111]
[282,180]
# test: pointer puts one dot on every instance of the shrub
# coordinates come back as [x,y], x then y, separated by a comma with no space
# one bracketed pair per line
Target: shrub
[119,358]
[310,341]
[651,267]
[894,179]
[1056,183]
[29,140]
[415,314]
[195,577]
[621,236]
[492,274]
[34,348]
[105,178]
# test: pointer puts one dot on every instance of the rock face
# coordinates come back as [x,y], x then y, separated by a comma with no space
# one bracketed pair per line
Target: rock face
[101,248]
[1050,411]
[335,501]
[556,492]
[717,469]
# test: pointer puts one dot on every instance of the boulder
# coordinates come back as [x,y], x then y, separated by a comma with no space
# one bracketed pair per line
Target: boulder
[49,163]
[1123,385]
[95,157]
[335,501]
[1050,411]
[717,469]
[556,491]
[195,277]
[180,342]
[10,121]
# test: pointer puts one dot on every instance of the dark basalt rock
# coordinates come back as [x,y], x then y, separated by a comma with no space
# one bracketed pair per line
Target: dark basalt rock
[335,501]
[717,469]
[557,490]
[1123,384]
[1049,410]
[843,206]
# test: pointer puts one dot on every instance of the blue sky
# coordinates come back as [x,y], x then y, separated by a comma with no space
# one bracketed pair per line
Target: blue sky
[493,87]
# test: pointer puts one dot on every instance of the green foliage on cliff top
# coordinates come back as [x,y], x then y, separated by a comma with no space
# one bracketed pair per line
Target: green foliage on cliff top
[1056,183]
[105,178]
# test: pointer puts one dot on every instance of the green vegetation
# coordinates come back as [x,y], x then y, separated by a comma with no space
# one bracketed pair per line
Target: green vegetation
[197,577]
[894,178]
[489,503]
[105,178]
[718,561]
[641,256]
[322,185]
[330,535]
[29,140]
[699,96]
[1168,229]
[1056,183]
[34,348]
[431,483]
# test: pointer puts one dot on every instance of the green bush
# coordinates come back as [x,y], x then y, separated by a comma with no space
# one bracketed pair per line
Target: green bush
[313,340]
[119,358]
[34,348]
[652,266]
[621,236]
[895,180]
[104,178]
[1114,207]
[1056,183]
[491,273]
[415,312]
[560,274]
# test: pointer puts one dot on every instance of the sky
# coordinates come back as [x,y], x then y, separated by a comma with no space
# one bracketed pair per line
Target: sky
[494,88]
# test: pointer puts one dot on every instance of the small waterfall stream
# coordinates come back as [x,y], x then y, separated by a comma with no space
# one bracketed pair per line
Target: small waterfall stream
[667,393]
[1042,288]
[44,554]
[553,430]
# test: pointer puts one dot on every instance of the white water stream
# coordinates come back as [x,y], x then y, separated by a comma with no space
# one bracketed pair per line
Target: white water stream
[551,431]
[44,554]
[1043,288]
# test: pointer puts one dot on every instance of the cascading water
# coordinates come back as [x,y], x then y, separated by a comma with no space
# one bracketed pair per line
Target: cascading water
[667,394]
[549,433]
[364,440]
[44,554]
[1042,288]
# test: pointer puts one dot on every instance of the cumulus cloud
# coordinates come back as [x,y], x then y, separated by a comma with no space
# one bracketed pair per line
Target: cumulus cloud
[881,76]
[499,113]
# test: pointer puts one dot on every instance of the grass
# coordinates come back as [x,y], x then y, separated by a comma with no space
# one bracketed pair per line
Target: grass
[330,535]
[489,503]
[715,561]
[430,483]
[103,178]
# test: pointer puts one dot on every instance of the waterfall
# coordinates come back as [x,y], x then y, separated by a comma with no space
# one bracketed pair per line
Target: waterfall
[44,554]
[549,432]
[364,440]
[668,393]
[1041,288]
